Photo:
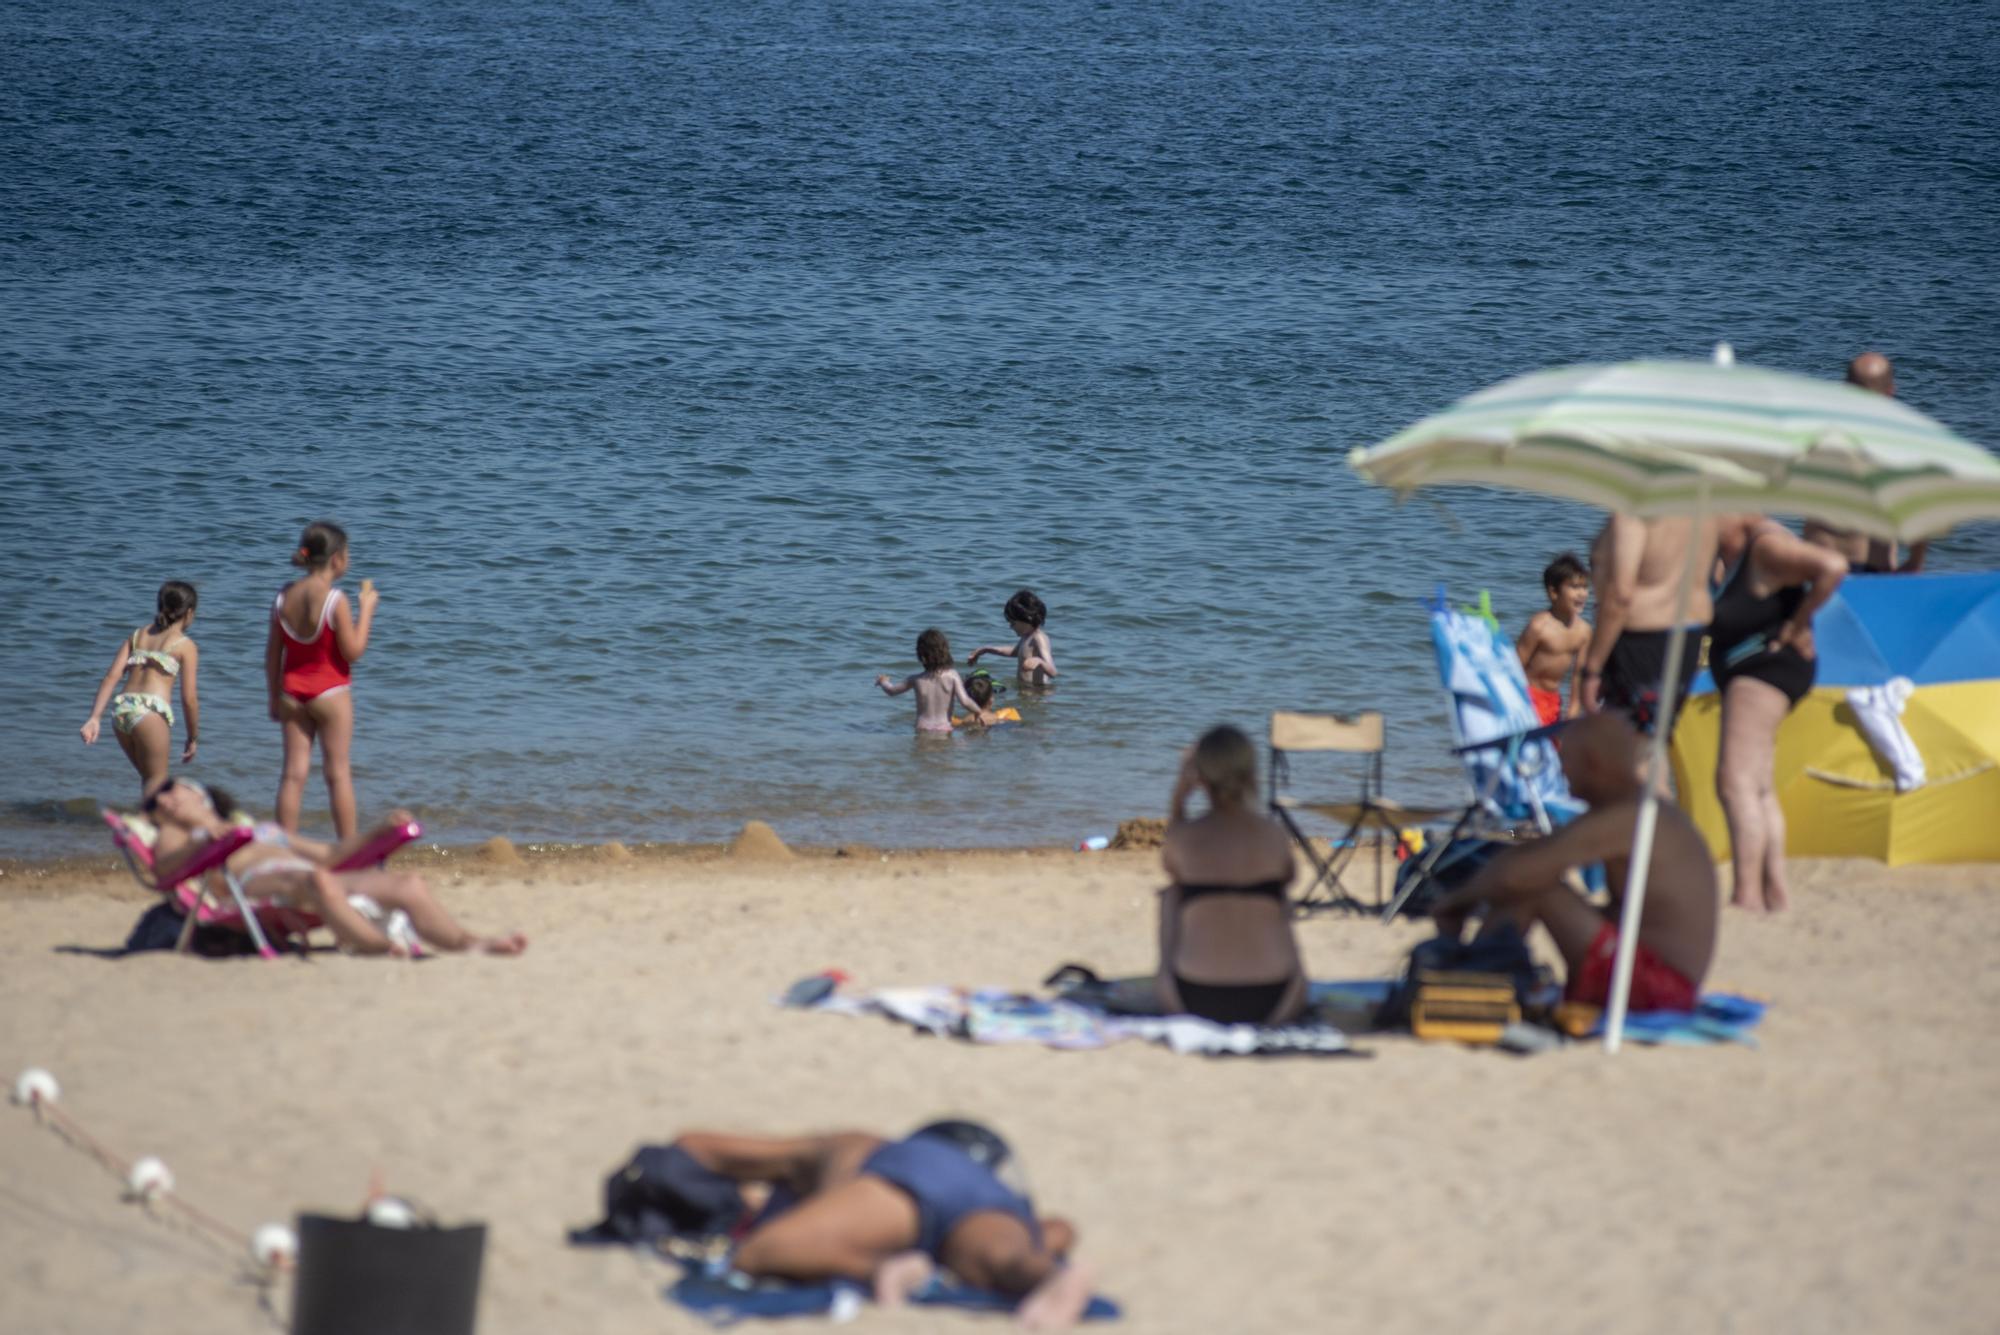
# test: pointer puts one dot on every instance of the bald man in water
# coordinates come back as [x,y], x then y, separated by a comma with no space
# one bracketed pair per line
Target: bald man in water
[1601,755]
[1635,572]
[1865,555]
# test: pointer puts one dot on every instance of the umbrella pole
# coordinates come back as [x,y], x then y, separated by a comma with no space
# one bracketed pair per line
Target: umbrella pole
[1640,869]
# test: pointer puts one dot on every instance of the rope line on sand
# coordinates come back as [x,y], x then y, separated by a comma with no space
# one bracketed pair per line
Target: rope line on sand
[147,1181]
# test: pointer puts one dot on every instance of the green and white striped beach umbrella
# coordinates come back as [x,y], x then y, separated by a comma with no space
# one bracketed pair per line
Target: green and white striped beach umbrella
[1696,438]
[1643,437]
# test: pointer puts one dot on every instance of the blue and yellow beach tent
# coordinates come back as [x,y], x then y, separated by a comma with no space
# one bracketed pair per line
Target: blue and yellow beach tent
[1943,633]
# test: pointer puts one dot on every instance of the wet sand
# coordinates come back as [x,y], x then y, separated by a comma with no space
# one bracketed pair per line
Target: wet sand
[1843,1177]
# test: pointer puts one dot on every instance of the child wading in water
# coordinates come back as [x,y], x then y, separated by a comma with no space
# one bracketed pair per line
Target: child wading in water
[980,687]
[152,659]
[1552,645]
[314,640]
[1025,615]
[938,686]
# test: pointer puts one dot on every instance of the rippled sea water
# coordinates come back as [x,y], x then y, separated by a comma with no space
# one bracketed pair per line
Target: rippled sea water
[674,365]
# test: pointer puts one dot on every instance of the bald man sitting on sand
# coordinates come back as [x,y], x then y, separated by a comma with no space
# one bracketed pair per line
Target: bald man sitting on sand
[1602,756]
[855,1206]
[1865,555]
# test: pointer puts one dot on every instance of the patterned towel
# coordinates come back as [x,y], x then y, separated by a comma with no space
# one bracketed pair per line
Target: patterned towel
[995,1015]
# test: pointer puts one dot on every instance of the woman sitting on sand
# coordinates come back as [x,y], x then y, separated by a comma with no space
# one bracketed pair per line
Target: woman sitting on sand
[1227,952]
[293,870]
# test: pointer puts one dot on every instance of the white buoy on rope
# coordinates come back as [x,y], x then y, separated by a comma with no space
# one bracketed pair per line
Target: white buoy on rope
[35,1086]
[274,1247]
[148,1179]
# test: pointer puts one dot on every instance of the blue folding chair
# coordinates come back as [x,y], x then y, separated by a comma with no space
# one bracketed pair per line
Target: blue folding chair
[1510,757]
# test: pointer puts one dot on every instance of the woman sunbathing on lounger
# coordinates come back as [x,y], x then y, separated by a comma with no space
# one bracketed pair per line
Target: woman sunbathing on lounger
[884,1212]
[1227,952]
[293,870]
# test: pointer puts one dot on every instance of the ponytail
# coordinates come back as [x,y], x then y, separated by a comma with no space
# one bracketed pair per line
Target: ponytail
[319,544]
[176,603]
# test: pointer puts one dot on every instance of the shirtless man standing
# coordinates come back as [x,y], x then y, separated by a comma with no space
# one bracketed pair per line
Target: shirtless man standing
[885,1212]
[1601,755]
[1866,555]
[1635,572]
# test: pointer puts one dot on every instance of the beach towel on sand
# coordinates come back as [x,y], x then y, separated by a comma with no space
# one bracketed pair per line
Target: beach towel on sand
[994,1015]
[1720,1017]
[723,1297]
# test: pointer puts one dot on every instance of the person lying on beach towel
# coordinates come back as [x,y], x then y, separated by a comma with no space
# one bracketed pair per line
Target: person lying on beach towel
[293,870]
[1227,951]
[1524,885]
[854,1206]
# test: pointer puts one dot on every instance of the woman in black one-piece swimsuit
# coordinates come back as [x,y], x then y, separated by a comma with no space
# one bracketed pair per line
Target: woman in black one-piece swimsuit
[1761,652]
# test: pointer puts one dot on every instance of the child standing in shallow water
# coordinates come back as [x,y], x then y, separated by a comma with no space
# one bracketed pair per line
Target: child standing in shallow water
[938,686]
[1025,615]
[1551,646]
[152,659]
[308,660]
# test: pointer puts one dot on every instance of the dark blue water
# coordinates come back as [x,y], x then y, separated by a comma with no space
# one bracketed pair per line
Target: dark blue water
[673,366]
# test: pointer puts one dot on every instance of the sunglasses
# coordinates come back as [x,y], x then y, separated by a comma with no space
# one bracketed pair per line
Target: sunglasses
[152,802]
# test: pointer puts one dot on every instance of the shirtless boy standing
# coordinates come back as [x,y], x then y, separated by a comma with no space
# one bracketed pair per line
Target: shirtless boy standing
[1602,758]
[1552,645]
[1025,615]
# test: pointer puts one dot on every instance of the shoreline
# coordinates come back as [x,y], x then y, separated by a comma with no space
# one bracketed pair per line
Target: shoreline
[499,856]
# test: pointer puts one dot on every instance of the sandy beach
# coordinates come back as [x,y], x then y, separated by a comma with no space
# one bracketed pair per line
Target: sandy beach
[1840,1178]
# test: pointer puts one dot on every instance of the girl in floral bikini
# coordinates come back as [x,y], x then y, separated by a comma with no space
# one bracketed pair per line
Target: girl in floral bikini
[151,659]
[308,659]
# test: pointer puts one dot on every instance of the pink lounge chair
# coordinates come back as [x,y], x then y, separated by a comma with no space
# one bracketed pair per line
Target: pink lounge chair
[260,919]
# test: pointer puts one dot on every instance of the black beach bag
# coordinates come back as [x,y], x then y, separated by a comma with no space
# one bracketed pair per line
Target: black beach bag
[662,1192]
[357,1279]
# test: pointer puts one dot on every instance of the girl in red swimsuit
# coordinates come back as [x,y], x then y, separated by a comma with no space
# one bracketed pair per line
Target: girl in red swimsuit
[314,640]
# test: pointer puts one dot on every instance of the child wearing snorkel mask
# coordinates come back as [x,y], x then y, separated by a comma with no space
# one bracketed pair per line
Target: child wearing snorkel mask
[982,688]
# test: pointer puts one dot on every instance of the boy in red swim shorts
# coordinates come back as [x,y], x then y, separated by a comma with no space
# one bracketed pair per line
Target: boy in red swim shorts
[1551,646]
[1602,757]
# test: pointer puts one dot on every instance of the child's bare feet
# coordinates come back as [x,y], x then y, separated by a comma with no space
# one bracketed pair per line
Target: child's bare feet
[511,944]
[1058,1301]
[900,1276]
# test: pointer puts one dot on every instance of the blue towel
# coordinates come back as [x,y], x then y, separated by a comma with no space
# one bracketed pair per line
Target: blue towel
[1719,1017]
[724,1299]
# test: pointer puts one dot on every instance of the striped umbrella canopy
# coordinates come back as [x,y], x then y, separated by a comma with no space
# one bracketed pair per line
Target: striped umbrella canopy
[1647,438]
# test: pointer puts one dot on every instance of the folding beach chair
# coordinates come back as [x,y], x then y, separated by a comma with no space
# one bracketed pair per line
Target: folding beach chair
[188,890]
[1510,759]
[1360,736]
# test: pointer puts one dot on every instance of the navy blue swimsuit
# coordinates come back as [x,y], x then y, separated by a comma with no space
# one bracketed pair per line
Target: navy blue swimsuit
[947,1186]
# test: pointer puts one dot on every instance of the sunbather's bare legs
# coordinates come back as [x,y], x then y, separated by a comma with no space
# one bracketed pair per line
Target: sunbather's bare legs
[861,1230]
[1571,922]
[1751,713]
[393,891]
[327,720]
[333,717]
[844,1232]
[299,731]
[150,748]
